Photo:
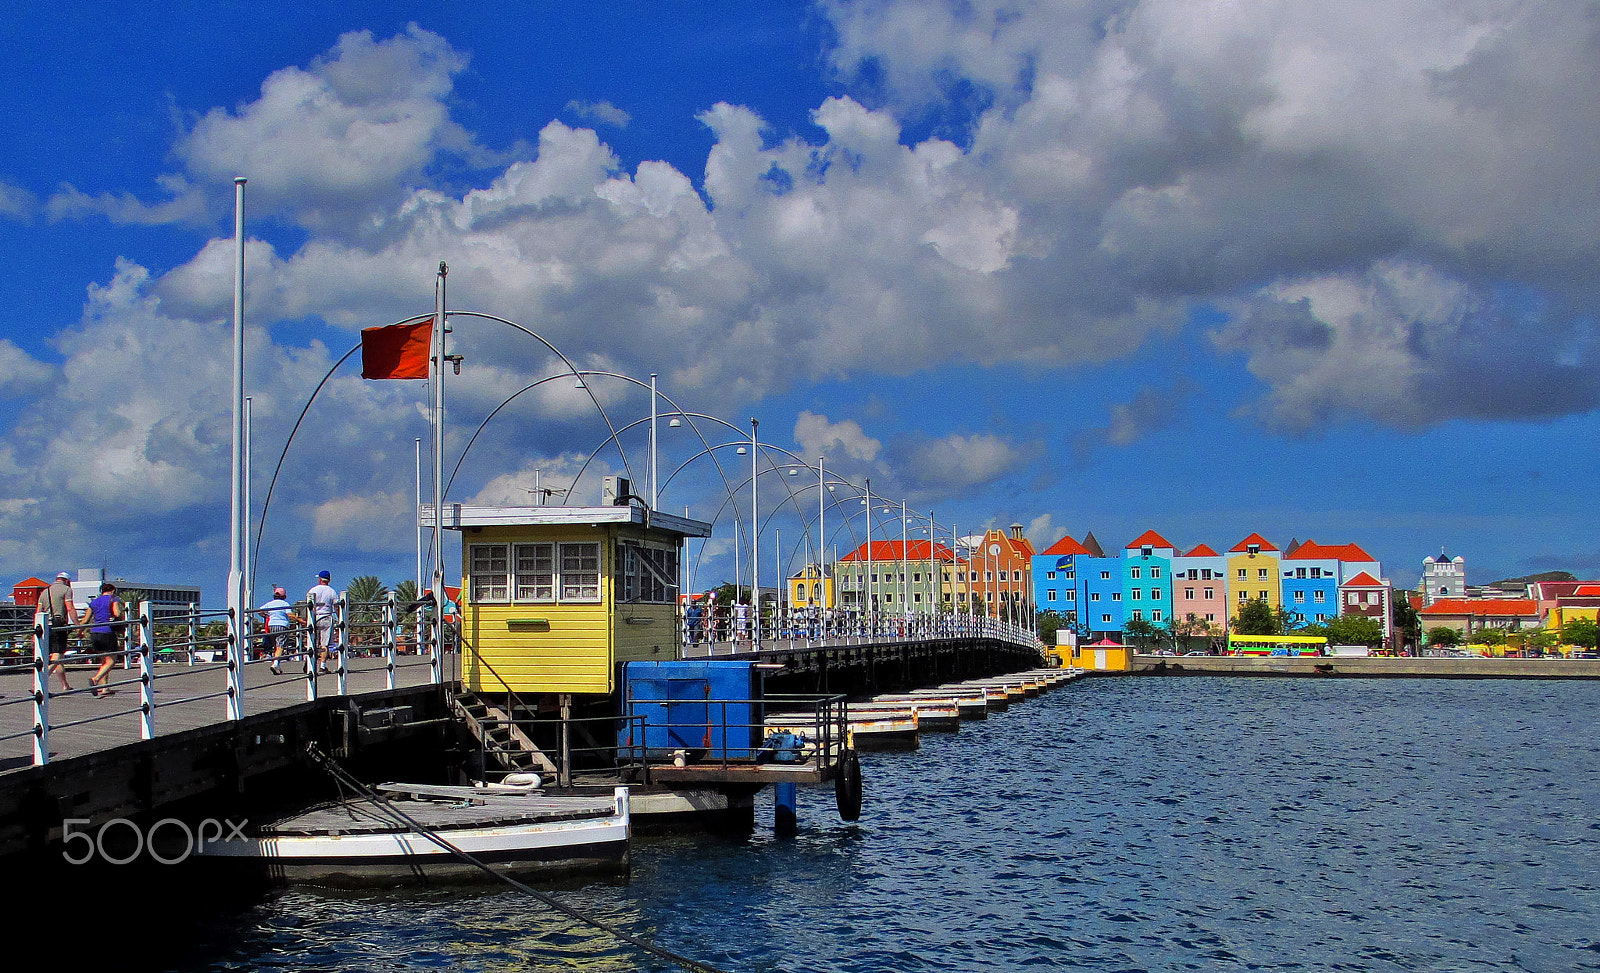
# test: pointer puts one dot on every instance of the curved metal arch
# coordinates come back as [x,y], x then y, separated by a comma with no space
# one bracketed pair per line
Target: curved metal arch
[573,369]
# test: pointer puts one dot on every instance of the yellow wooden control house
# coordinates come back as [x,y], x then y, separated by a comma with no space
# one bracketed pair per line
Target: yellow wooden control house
[554,599]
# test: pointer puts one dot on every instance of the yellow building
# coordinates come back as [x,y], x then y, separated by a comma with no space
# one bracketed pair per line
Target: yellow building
[1253,573]
[1103,656]
[811,588]
[554,599]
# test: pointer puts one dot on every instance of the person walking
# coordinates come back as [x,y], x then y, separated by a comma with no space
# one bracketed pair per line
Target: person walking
[278,615]
[322,602]
[105,615]
[693,617]
[56,603]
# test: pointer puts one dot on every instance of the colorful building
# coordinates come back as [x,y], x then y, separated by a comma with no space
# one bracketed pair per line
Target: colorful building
[811,587]
[1147,578]
[1253,567]
[1055,579]
[893,576]
[1200,590]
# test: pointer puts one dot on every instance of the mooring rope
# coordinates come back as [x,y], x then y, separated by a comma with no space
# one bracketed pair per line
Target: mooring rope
[343,777]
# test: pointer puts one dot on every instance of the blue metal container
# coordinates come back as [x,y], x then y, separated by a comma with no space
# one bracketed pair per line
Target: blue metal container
[711,710]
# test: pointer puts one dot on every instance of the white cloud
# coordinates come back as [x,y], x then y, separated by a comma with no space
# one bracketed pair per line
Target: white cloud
[818,436]
[603,112]
[22,375]
[955,462]
[17,203]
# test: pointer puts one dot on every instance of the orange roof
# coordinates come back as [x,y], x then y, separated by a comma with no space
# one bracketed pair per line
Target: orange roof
[1485,606]
[1587,591]
[1363,580]
[890,551]
[1203,550]
[1150,539]
[1331,552]
[1256,539]
[1066,545]
[32,583]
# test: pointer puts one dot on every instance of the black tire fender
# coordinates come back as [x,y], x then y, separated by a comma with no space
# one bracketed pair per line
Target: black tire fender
[847,786]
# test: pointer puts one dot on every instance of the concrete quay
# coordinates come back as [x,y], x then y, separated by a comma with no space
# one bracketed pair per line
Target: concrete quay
[1371,667]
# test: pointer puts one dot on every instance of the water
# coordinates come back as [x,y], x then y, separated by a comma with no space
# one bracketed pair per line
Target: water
[1120,825]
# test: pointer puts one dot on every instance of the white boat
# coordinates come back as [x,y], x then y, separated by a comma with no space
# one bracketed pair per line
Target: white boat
[511,829]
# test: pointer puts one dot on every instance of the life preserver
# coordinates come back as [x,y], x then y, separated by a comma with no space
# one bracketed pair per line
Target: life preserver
[847,786]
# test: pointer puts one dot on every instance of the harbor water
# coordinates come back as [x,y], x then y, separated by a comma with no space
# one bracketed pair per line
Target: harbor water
[1113,824]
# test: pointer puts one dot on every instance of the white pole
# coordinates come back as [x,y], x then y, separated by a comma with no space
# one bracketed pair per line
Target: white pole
[439,362]
[868,606]
[418,530]
[249,568]
[652,440]
[236,596]
[822,526]
[755,545]
[905,582]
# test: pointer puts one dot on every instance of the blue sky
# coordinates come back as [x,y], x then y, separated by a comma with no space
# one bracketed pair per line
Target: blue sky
[1204,268]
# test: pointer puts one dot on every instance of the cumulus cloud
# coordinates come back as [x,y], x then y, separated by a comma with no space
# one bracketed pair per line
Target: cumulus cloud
[603,112]
[22,375]
[818,436]
[1160,154]
[956,462]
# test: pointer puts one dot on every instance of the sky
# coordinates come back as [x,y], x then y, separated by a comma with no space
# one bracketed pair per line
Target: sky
[1317,271]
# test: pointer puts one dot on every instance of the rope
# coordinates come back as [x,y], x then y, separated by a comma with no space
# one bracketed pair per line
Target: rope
[343,777]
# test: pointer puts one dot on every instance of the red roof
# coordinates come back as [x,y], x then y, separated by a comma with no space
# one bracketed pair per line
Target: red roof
[1587,591]
[1330,552]
[890,551]
[1066,545]
[1244,546]
[1150,539]
[1363,580]
[1202,551]
[1485,606]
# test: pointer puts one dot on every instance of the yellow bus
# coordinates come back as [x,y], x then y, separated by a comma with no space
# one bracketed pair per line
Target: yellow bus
[1277,645]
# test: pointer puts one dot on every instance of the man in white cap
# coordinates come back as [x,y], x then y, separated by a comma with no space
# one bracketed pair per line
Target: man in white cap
[323,602]
[56,602]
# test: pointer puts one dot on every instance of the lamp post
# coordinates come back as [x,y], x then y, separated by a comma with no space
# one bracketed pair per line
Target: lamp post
[755,544]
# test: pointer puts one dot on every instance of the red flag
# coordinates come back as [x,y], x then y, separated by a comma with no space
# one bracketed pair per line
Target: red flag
[397,351]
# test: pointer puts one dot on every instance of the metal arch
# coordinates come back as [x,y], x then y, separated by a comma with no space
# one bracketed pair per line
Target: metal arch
[553,350]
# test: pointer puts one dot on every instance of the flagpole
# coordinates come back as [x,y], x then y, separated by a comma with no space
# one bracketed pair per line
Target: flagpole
[236,528]
[439,362]
[418,575]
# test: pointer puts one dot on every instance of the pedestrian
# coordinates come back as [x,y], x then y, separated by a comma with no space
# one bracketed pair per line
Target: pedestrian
[693,617]
[322,602]
[105,614]
[278,614]
[741,619]
[56,603]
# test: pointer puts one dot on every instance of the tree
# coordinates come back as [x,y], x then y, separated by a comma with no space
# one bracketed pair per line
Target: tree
[1443,636]
[1139,631]
[1050,622]
[1406,621]
[1581,632]
[1256,617]
[362,591]
[1352,629]
[1489,636]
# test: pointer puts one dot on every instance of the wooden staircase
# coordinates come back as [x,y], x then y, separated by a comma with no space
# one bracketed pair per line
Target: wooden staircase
[505,746]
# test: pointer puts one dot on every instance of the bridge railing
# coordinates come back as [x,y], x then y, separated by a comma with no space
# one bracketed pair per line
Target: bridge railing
[208,654]
[727,631]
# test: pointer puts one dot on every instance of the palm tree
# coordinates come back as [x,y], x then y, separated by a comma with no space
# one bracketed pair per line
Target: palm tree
[362,594]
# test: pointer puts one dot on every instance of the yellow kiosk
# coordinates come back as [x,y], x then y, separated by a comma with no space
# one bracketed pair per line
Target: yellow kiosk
[555,599]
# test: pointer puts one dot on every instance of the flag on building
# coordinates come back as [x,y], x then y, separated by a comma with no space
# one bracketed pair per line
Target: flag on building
[396,351]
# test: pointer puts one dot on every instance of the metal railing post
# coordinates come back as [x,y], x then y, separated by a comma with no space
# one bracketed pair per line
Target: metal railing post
[41,688]
[391,618]
[194,629]
[341,637]
[147,675]
[238,649]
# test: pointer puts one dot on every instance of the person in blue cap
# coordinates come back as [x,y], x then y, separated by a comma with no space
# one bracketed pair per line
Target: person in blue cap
[323,603]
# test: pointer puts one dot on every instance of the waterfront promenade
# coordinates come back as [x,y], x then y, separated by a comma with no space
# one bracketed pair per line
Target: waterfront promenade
[1367,667]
